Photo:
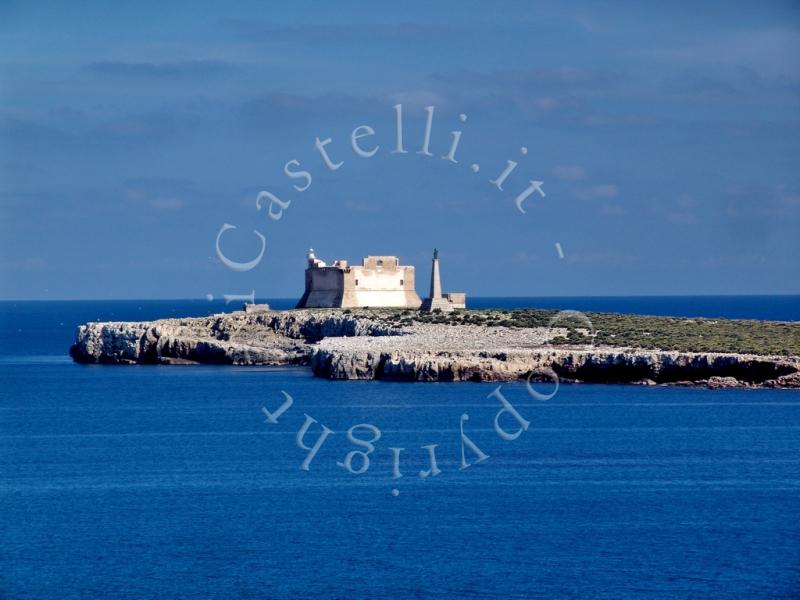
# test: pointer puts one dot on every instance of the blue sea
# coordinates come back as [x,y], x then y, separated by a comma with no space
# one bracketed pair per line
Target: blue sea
[169,482]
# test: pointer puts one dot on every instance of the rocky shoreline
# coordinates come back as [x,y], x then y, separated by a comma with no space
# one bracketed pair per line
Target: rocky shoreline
[338,344]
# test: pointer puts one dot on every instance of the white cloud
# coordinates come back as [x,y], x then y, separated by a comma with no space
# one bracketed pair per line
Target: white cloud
[167,204]
[418,99]
[546,103]
[771,52]
[682,218]
[600,191]
[612,210]
[525,257]
[570,172]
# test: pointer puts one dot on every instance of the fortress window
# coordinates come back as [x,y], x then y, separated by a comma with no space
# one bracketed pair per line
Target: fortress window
[380,263]
[356,281]
[401,282]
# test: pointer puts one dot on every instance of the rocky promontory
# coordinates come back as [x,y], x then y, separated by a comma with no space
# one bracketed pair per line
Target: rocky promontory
[340,344]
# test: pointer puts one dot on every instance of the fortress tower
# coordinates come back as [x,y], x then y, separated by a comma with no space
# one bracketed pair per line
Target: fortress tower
[380,281]
[438,300]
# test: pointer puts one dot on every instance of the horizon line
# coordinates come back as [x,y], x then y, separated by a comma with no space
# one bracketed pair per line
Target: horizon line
[292,298]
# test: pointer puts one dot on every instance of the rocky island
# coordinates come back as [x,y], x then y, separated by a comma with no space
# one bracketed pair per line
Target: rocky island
[466,345]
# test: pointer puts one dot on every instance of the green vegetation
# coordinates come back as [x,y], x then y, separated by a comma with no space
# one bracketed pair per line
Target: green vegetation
[665,333]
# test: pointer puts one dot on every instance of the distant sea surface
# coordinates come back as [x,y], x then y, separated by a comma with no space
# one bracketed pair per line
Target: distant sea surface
[773,308]
[154,481]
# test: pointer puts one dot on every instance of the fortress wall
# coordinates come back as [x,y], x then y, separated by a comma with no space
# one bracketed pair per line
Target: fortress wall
[377,299]
[457,299]
[380,288]
[386,262]
[378,280]
[381,282]
[324,288]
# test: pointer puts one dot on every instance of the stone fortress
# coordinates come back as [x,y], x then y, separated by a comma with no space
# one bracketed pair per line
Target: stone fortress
[380,281]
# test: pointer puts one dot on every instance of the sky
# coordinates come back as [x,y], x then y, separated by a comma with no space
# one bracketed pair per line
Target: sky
[666,137]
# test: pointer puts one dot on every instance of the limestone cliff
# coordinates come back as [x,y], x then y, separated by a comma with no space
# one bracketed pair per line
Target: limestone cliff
[266,338]
[340,345]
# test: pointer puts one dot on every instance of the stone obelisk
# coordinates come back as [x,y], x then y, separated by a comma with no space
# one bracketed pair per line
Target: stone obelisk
[436,282]
[435,300]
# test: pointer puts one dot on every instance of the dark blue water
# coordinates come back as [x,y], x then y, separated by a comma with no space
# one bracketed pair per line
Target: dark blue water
[132,482]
